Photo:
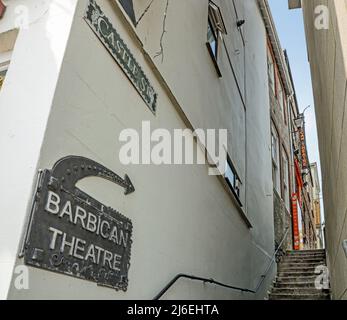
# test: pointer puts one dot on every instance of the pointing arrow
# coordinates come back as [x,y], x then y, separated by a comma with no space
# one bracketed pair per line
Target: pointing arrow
[71,169]
[128,185]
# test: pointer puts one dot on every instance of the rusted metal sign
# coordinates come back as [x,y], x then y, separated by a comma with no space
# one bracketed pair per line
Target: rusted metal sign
[303,148]
[296,231]
[70,232]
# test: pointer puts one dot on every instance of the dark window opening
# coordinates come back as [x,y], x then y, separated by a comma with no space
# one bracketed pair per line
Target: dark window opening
[2,77]
[233,179]
[212,40]
[129,9]
[215,29]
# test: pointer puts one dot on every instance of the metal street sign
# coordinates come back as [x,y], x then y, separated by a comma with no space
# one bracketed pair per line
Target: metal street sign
[70,232]
[303,148]
[120,52]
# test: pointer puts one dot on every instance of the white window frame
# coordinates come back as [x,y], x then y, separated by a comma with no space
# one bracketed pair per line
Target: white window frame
[217,26]
[275,155]
[271,71]
[232,178]
[215,15]
[215,35]
[286,180]
[280,97]
[3,67]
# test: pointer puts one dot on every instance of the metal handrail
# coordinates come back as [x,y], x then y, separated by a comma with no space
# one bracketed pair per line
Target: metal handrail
[205,280]
[272,261]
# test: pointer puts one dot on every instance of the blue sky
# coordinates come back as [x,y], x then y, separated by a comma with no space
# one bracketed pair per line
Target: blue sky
[290,28]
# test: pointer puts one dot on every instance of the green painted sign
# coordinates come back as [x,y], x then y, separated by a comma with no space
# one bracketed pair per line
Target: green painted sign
[108,35]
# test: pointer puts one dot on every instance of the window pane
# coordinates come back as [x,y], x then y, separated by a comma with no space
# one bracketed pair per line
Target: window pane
[280,100]
[274,148]
[237,186]
[285,168]
[286,195]
[232,179]
[230,176]
[270,71]
[129,9]
[211,38]
[276,159]
[2,77]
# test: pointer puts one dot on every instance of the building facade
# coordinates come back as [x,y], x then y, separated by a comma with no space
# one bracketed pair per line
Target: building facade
[316,197]
[292,180]
[326,34]
[79,73]
[302,200]
[280,90]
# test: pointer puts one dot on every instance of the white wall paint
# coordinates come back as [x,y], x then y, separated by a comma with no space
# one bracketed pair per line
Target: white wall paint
[184,220]
[25,101]
[328,59]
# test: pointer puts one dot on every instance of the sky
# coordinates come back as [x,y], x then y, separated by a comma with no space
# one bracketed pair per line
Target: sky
[290,28]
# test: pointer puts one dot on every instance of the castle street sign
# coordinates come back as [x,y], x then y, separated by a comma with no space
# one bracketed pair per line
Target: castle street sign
[120,52]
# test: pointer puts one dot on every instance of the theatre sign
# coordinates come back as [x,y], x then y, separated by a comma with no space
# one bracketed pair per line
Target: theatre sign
[120,52]
[69,232]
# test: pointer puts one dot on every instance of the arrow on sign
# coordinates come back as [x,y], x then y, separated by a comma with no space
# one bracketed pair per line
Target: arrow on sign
[69,170]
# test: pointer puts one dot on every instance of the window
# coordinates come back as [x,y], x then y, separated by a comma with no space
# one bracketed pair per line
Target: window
[215,29]
[129,9]
[286,191]
[216,18]
[271,71]
[212,40]
[232,178]
[280,98]
[275,160]
[2,76]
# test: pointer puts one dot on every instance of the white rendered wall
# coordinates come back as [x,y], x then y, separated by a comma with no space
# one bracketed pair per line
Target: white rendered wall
[25,103]
[183,219]
[327,49]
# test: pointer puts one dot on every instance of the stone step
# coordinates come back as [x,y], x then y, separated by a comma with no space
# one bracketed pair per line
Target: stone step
[293,284]
[304,257]
[305,254]
[320,251]
[296,277]
[301,260]
[284,296]
[289,265]
[283,279]
[298,269]
[298,291]
[296,273]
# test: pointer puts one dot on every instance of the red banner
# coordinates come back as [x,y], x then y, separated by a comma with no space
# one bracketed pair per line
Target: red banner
[296,231]
[299,181]
[304,158]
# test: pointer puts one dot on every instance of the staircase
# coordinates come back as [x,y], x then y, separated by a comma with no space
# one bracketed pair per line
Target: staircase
[296,277]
